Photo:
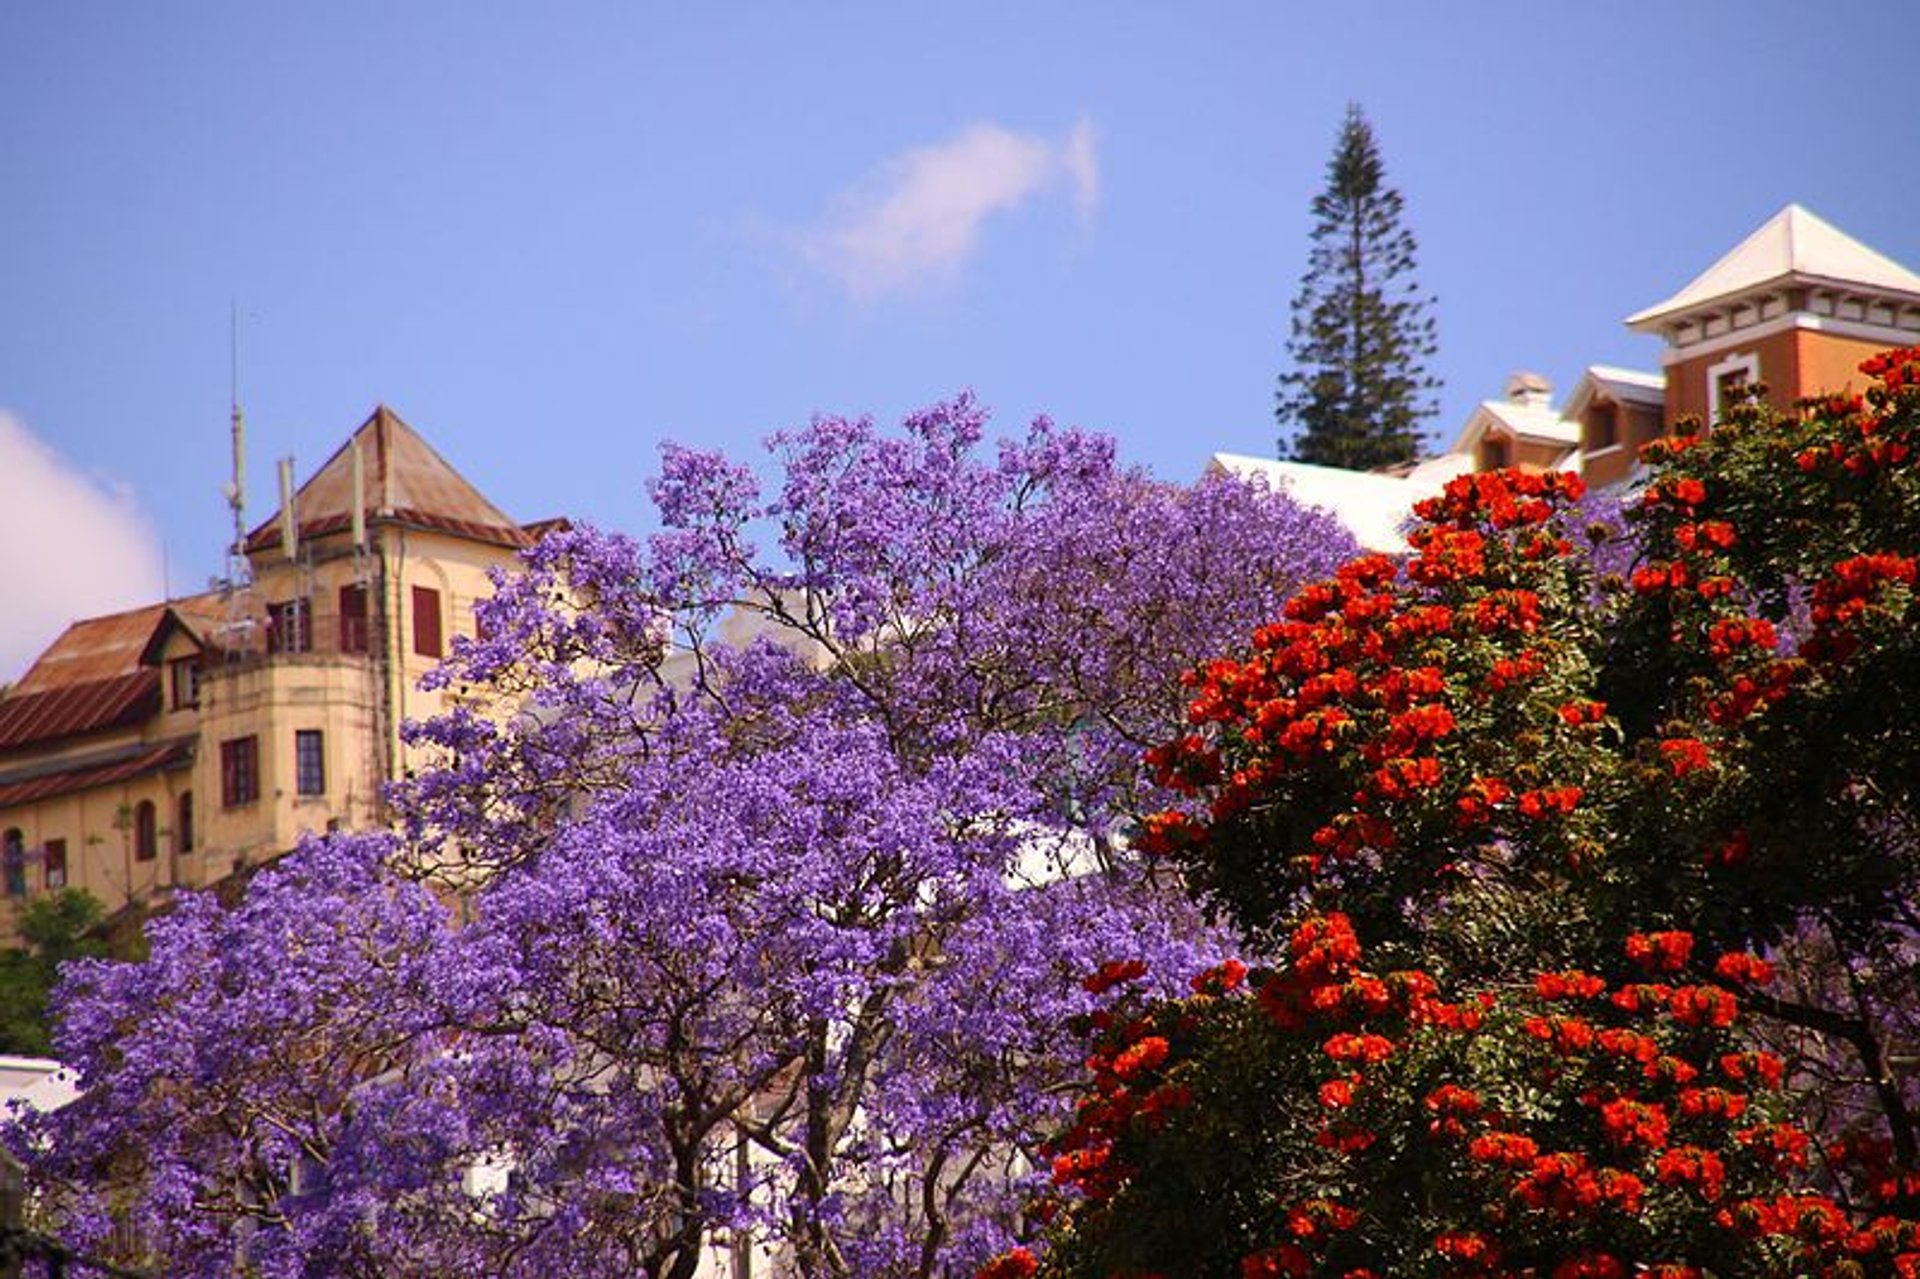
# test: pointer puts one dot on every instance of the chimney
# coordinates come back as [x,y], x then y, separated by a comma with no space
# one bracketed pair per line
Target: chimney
[1530,389]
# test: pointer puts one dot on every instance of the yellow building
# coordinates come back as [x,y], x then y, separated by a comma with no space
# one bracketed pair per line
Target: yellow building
[176,743]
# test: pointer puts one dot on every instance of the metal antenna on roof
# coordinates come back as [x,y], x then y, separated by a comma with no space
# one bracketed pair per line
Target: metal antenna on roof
[360,568]
[238,571]
[289,520]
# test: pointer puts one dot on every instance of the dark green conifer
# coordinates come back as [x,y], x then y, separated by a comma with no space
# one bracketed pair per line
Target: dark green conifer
[1358,388]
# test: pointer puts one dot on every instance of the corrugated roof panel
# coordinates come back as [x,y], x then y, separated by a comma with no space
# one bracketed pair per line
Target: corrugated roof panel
[86,707]
[49,785]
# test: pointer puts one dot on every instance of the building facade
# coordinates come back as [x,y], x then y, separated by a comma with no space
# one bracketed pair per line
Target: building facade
[1793,308]
[173,744]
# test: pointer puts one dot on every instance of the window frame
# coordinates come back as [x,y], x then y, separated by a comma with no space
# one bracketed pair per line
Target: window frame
[53,863]
[1746,364]
[290,626]
[355,634]
[13,861]
[309,762]
[146,831]
[240,771]
[184,671]
[429,631]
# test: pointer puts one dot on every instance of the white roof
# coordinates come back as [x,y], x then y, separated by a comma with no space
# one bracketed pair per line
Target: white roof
[1794,244]
[1371,505]
[36,1082]
[1532,421]
[1630,384]
[1523,421]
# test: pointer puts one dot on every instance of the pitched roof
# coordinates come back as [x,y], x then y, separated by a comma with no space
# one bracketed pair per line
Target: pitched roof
[101,672]
[405,482]
[1629,384]
[83,706]
[1794,245]
[114,644]
[1532,421]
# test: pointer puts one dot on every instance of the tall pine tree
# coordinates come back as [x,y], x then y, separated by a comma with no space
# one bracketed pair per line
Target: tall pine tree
[1358,389]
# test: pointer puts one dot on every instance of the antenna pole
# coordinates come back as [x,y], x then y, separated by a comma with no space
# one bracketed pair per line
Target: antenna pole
[239,572]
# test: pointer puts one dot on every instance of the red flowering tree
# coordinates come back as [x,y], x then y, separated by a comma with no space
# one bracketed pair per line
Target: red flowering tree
[1584,903]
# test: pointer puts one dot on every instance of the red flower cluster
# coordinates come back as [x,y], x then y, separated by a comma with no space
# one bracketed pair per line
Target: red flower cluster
[1566,1184]
[1685,755]
[1502,499]
[1017,1263]
[1702,1170]
[1114,972]
[1664,952]
[1894,369]
[1223,978]
[1747,969]
[1843,599]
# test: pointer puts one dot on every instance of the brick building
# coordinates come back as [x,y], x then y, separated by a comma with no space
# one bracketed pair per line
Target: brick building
[1796,306]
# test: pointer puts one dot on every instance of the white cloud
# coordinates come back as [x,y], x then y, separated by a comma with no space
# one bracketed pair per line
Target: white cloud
[1083,166]
[919,218]
[73,548]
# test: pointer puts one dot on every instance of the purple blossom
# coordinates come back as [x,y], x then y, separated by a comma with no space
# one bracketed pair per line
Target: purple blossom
[780,878]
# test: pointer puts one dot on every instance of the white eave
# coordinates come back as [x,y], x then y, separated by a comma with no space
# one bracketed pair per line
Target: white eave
[1794,247]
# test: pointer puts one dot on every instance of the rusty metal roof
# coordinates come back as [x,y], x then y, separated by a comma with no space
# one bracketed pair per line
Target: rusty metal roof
[98,648]
[84,706]
[86,777]
[405,482]
[94,649]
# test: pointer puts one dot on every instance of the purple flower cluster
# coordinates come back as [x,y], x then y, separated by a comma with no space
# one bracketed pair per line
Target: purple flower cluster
[776,873]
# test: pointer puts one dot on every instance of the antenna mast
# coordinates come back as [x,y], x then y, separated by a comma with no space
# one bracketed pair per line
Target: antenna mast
[239,572]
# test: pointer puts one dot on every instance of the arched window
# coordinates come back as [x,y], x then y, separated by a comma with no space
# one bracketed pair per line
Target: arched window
[183,824]
[13,861]
[146,831]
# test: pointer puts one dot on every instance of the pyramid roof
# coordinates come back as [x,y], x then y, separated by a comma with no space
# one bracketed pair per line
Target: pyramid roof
[1793,245]
[405,482]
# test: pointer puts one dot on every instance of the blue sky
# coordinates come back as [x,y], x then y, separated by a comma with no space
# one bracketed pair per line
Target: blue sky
[552,236]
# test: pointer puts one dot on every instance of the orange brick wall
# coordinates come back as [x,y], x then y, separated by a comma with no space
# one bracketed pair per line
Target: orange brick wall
[1830,363]
[1794,363]
[1779,368]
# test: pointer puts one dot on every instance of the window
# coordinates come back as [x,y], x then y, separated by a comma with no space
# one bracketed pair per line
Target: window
[310,761]
[56,864]
[1728,378]
[183,823]
[353,619]
[146,831]
[13,860]
[287,627]
[426,621]
[1601,427]
[1496,451]
[185,673]
[239,771]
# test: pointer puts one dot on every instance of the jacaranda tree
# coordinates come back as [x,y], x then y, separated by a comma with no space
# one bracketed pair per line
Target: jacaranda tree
[1580,905]
[740,906]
